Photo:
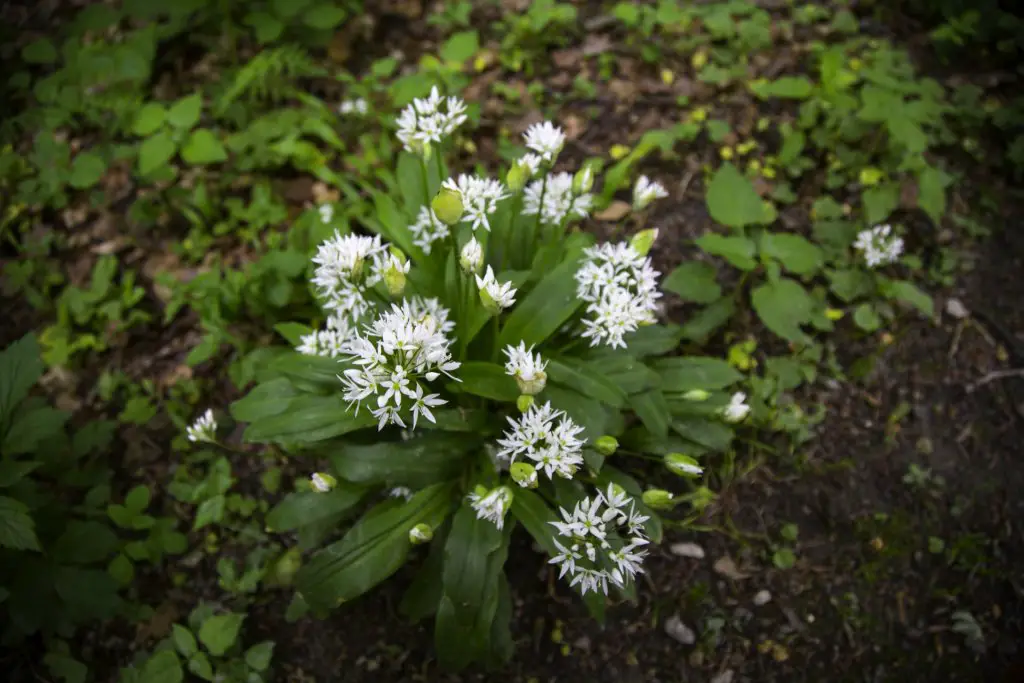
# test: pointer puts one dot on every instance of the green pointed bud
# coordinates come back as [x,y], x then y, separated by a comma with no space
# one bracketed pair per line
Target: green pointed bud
[447,206]
[322,482]
[471,259]
[696,395]
[583,181]
[658,499]
[618,491]
[517,176]
[524,402]
[643,241]
[420,534]
[683,465]
[394,273]
[524,474]
[481,490]
[606,445]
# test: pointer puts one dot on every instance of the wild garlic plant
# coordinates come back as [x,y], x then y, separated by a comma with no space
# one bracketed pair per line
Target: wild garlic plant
[483,366]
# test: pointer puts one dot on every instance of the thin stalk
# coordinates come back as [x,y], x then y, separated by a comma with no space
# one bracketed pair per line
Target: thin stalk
[426,183]
[540,215]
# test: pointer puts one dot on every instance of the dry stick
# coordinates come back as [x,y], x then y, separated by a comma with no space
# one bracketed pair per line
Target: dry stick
[993,376]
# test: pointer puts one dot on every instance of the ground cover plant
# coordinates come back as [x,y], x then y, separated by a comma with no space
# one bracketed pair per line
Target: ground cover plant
[538,340]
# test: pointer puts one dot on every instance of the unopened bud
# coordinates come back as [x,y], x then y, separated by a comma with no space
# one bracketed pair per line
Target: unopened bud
[583,181]
[658,499]
[606,445]
[534,385]
[447,206]
[517,176]
[394,274]
[696,395]
[322,482]
[683,465]
[524,402]
[421,533]
[472,257]
[643,241]
[524,474]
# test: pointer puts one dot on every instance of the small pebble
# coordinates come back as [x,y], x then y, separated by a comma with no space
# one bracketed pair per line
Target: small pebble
[582,643]
[687,550]
[956,309]
[678,631]
[724,677]
[762,598]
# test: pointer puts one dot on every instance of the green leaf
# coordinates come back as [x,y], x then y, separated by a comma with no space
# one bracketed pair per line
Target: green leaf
[593,416]
[694,281]
[309,419]
[866,318]
[545,308]
[653,340]
[909,293]
[487,380]
[86,170]
[701,326]
[739,251]
[40,51]
[84,542]
[850,284]
[199,664]
[121,570]
[293,332]
[149,119]
[268,28]
[17,530]
[783,307]
[162,667]
[219,632]
[184,114]
[11,471]
[651,408]
[879,202]
[409,174]
[304,508]
[695,372]
[266,399]
[931,192]
[20,367]
[65,667]
[373,549]
[630,375]
[575,375]
[423,596]
[732,199]
[787,87]
[138,498]
[31,428]
[420,461]
[258,656]
[184,641]
[323,16]
[795,253]
[210,511]
[202,148]
[460,48]
[313,370]
[155,152]
[708,434]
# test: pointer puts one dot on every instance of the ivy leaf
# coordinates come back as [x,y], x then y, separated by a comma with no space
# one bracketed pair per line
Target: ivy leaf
[203,148]
[739,251]
[796,253]
[694,281]
[732,199]
[783,306]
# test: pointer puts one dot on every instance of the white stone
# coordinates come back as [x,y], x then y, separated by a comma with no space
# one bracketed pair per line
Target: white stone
[687,550]
[762,598]
[679,631]
[724,677]
[956,309]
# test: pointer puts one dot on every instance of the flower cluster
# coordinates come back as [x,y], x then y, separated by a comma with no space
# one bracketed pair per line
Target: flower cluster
[203,429]
[430,120]
[600,546]
[480,197]
[428,229]
[737,409]
[546,139]
[646,191]
[555,448]
[555,199]
[403,346]
[621,290]
[354,106]
[526,368]
[346,266]
[491,505]
[879,246]
[496,295]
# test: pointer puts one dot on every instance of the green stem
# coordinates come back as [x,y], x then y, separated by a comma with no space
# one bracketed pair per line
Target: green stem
[540,215]
[509,238]
[426,183]
[495,351]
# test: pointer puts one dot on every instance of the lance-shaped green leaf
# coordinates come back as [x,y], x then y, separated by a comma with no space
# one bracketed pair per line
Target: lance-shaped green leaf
[652,409]
[571,373]
[488,380]
[265,400]
[425,459]
[309,419]
[546,308]
[695,372]
[303,508]
[316,371]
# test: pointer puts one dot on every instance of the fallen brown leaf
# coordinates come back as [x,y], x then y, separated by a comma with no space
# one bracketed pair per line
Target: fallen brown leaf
[615,211]
[726,566]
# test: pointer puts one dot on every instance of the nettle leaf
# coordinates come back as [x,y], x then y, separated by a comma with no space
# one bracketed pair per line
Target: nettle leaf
[545,309]
[732,199]
[487,380]
[417,462]
[303,508]
[149,119]
[20,367]
[909,293]
[783,307]
[578,376]
[17,530]
[694,281]
[372,550]
[203,147]
[309,419]
[695,372]
[739,251]
[796,253]
[219,632]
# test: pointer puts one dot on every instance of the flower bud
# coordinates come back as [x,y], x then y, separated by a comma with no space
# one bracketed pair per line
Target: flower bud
[643,241]
[583,181]
[322,482]
[420,534]
[394,273]
[658,499]
[517,176]
[534,385]
[606,445]
[285,568]
[683,465]
[524,402]
[696,395]
[447,206]
[472,257]
[524,474]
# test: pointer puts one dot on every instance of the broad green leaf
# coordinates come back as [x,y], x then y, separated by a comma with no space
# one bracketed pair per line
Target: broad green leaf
[422,460]
[203,147]
[138,498]
[589,413]
[392,224]
[258,656]
[488,380]
[219,632]
[20,367]
[422,597]
[651,408]
[199,664]
[653,340]
[32,427]
[149,119]
[694,281]
[695,372]
[17,530]
[268,28]
[162,667]
[293,332]
[12,471]
[265,400]
[84,542]
[86,170]
[65,667]
[732,199]
[309,419]
[310,507]
[460,48]
[909,293]
[210,511]
[879,202]
[630,375]
[323,16]
[373,549]
[541,312]
[850,284]
[155,152]
[184,641]
[866,318]
[931,192]
[313,370]
[794,252]
[701,326]
[570,373]
[739,251]
[783,307]
[39,51]
[712,435]
[786,87]
[184,114]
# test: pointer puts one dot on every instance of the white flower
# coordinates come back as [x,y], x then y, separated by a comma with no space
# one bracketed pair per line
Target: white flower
[737,408]
[559,200]
[355,106]
[403,346]
[203,429]
[645,191]
[491,505]
[400,492]
[326,213]
[430,120]
[600,546]
[472,256]
[322,483]
[342,277]
[546,139]
[879,246]
[428,229]
[527,368]
[621,290]
[531,162]
[553,448]
[326,342]
[480,197]
[501,294]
